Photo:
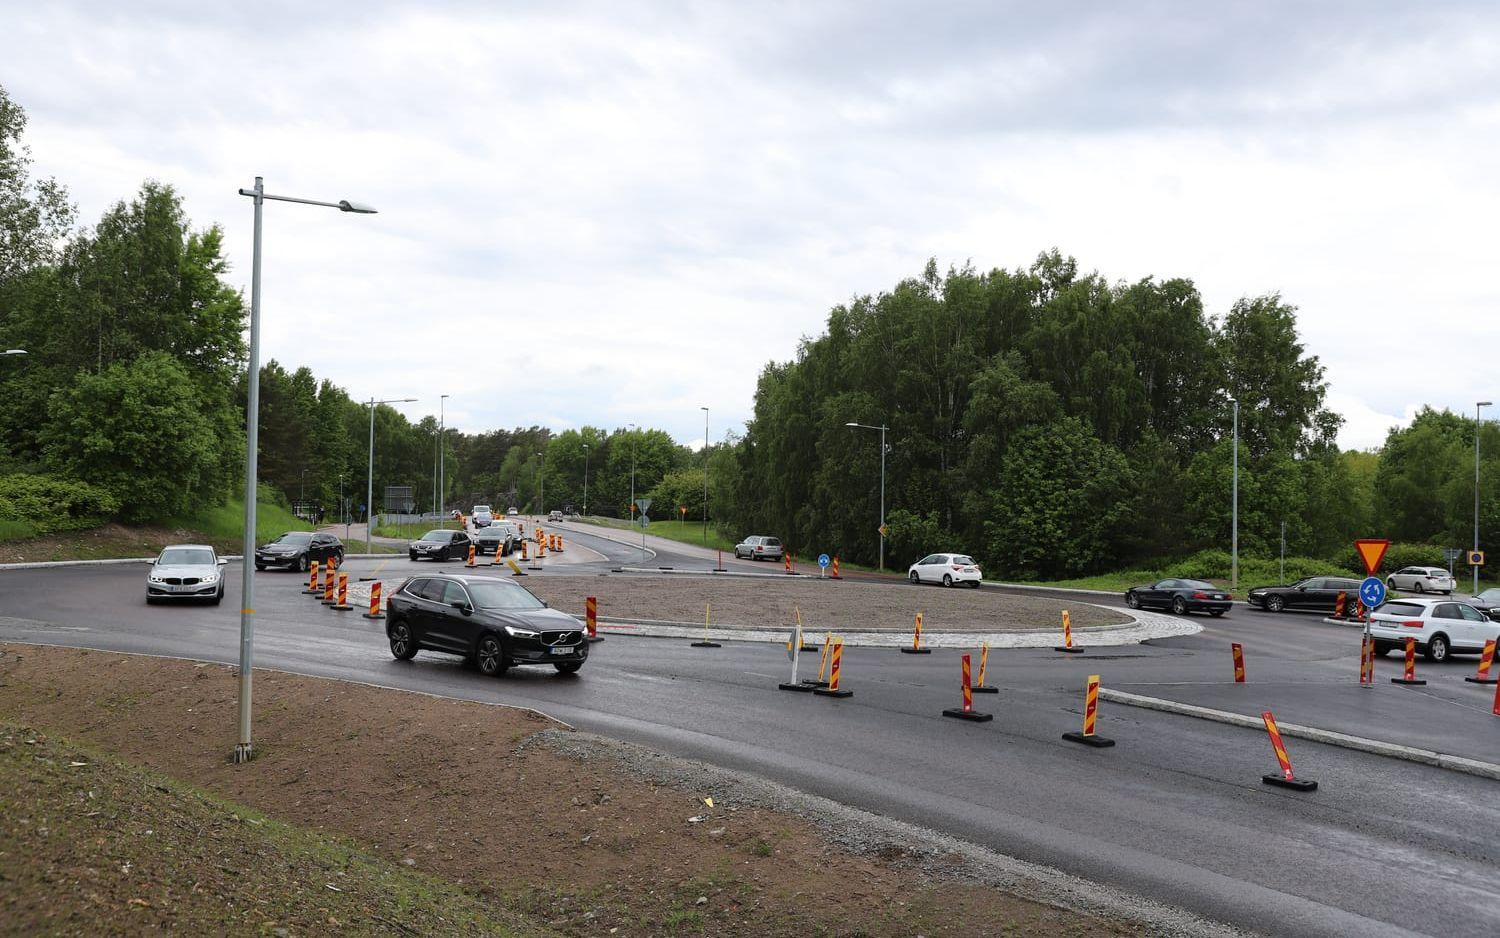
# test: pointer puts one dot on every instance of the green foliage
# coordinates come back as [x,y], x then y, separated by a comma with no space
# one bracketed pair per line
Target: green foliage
[226,522]
[41,504]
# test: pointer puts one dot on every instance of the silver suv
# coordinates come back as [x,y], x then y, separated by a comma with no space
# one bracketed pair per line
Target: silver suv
[759,547]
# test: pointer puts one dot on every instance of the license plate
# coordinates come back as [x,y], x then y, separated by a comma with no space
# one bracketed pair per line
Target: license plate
[969,570]
[562,651]
[1218,596]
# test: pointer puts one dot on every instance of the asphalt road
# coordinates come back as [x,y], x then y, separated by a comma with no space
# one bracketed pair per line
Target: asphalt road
[1176,812]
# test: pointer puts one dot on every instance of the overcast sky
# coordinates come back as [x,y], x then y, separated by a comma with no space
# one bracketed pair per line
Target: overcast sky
[613,213]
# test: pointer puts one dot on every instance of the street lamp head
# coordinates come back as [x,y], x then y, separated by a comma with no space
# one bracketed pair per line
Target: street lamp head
[15,351]
[358,208]
[1479,404]
[851,424]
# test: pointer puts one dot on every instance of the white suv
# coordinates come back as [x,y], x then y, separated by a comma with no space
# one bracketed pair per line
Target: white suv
[1440,626]
[1421,580]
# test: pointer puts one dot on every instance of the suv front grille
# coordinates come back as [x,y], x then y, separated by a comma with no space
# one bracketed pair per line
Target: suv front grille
[562,638]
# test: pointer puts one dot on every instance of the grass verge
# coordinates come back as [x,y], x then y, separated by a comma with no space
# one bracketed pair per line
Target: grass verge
[413,531]
[685,532]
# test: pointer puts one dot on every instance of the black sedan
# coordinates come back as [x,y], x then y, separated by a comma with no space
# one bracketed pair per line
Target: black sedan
[494,624]
[440,544]
[295,550]
[1313,594]
[493,537]
[1487,602]
[1180,596]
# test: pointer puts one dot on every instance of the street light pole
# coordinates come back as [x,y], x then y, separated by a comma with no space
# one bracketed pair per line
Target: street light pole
[242,749]
[1475,567]
[370,471]
[1234,524]
[442,456]
[585,480]
[882,428]
[705,476]
[542,493]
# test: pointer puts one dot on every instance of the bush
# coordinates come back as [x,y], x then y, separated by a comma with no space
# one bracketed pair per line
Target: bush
[50,503]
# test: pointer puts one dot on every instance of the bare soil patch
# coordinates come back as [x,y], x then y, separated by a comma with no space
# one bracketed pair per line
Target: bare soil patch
[834,605]
[448,788]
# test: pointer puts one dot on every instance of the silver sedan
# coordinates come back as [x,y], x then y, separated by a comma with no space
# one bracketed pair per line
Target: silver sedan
[186,571]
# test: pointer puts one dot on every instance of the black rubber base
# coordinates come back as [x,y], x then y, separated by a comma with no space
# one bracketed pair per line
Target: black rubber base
[1097,741]
[312,592]
[811,683]
[973,716]
[341,607]
[328,602]
[378,615]
[595,639]
[1482,680]
[799,688]
[1295,784]
[1414,682]
[1070,649]
[985,689]
[825,692]
[518,573]
[364,579]
[916,651]
[707,645]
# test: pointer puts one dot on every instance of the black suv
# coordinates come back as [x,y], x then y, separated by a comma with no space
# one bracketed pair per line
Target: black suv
[490,622]
[294,550]
[441,544]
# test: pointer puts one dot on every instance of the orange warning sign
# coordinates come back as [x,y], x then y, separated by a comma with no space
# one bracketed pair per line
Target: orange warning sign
[1372,552]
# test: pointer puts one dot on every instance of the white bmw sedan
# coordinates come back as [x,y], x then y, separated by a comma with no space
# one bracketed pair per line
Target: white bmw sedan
[946,569]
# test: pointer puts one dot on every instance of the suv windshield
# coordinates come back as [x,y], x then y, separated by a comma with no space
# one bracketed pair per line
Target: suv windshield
[197,556]
[294,537]
[438,535]
[502,595]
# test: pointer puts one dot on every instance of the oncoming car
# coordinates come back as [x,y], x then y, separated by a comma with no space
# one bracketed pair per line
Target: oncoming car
[440,544]
[1180,596]
[498,536]
[1440,626]
[295,550]
[946,569]
[186,571]
[481,516]
[494,624]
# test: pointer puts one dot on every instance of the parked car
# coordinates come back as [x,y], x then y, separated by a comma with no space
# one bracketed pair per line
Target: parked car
[498,535]
[440,544]
[946,569]
[1422,580]
[554,515]
[1487,602]
[1180,596]
[481,516]
[493,623]
[296,550]
[1312,594]
[1440,626]
[186,571]
[758,547]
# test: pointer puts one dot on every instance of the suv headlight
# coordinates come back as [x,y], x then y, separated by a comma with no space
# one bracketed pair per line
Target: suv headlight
[514,632]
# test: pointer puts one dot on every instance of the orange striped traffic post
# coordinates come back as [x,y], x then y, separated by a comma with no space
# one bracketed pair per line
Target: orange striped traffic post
[523,549]
[328,586]
[470,562]
[967,711]
[560,544]
[1286,779]
[375,612]
[343,604]
[1338,604]
[1409,677]
[312,580]
[591,619]
[980,687]
[1367,661]
[835,574]
[498,559]
[916,640]
[1090,712]
[1497,700]
[1238,651]
[1067,644]
[1485,660]
[541,545]
[786,561]
[835,659]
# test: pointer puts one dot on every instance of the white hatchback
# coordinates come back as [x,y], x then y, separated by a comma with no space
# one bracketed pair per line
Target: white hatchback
[1440,626]
[946,569]
[1422,580]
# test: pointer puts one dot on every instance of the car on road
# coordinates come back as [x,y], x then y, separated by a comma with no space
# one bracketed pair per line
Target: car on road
[1181,596]
[554,515]
[1422,580]
[1309,594]
[511,511]
[186,571]
[494,624]
[1442,627]
[946,569]
[499,535]
[296,550]
[440,544]
[758,547]
[481,516]
[1487,602]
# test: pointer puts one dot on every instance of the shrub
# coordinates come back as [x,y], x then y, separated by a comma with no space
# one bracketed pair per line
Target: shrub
[51,503]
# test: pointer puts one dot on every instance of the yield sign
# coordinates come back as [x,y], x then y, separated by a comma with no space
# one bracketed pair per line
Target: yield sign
[1372,552]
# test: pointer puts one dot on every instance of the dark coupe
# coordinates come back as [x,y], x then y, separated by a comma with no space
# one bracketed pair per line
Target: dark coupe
[1488,602]
[494,624]
[440,544]
[1313,594]
[1180,596]
[294,550]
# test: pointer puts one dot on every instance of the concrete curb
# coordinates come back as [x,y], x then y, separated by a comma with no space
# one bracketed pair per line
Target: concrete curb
[1312,733]
[1030,587]
[729,630]
[43,564]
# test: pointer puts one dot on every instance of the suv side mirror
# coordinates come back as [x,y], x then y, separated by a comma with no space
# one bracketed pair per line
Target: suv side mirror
[462,606]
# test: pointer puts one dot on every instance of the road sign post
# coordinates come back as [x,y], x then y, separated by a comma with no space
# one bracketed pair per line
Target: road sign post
[1371,552]
[823,562]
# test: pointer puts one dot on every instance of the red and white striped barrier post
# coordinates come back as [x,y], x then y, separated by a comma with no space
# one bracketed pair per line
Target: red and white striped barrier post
[1486,659]
[328,586]
[591,619]
[835,660]
[916,640]
[312,580]
[967,711]
[1409,677]
[1286,779]
[375,612]
[343,604]
[1067,644]
[1238,651]
[980,687]
[1090,713]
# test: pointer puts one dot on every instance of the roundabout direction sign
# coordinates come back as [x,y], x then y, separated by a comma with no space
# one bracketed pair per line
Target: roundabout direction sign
[1372,592]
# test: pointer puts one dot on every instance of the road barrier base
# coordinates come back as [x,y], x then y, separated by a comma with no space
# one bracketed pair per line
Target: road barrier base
[1414,682]
[312,592]
[799,688]
[1483,680]
[812,683]
[341,607]
[916,651]
[973,716]
[707,645]
[1295,784]
[1070,649]
[1097,741]
[984,689]
[595,639]
[375,615]
[825,692]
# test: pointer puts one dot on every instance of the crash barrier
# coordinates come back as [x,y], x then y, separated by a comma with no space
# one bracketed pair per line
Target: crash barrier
[1286,779]
[343,604]
[707,642]
[312,579]
[967,711]
[1367,661]
[1238,651]
[1486,659]
[916,640]
[591,619]
[375,612]
[835,659]
[980,687]
[822,680]
[1090,713]
[471,562]
[1410,675]
[1067,644]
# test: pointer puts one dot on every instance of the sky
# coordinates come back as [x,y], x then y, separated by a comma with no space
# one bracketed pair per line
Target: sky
[613,213]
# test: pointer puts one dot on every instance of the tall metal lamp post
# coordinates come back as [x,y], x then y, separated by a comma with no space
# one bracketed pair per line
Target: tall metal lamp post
[882,428]
[370,472]
[242,749]
[585,480]
[705,475]
[1477,407]
[1234,505]
[542,484]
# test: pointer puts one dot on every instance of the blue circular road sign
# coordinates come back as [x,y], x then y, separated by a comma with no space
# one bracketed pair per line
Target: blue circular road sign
[823,560]
[1372,592]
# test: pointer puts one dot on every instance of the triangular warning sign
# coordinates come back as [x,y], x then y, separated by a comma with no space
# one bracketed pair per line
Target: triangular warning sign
[1372,552]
